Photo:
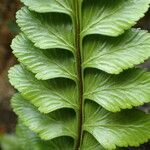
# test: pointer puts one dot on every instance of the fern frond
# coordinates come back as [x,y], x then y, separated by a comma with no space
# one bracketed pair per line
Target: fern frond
[78,69]
[116,92]
[48,126]
[111,17]
[113,55]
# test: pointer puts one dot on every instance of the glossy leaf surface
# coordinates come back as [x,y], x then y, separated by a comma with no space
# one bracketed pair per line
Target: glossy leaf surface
[125,128]
[116,92]
[114,55]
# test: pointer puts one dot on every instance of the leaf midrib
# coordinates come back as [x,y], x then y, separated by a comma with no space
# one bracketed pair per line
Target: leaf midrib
[78,46]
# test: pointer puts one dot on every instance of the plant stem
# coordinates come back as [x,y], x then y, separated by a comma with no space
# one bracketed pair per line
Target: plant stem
[78,44]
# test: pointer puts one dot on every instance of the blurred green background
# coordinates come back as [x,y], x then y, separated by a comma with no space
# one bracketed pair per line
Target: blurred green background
[8,29]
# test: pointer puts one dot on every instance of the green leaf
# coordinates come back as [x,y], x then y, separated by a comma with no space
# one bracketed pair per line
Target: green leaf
[116,92]
[64,50]
[89,143]
[111,17]
[65,6]
[113,55]
[31,141]
[47,64]
[46,95]
[46,31]
[10,142]
[48,126]
[126,128]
